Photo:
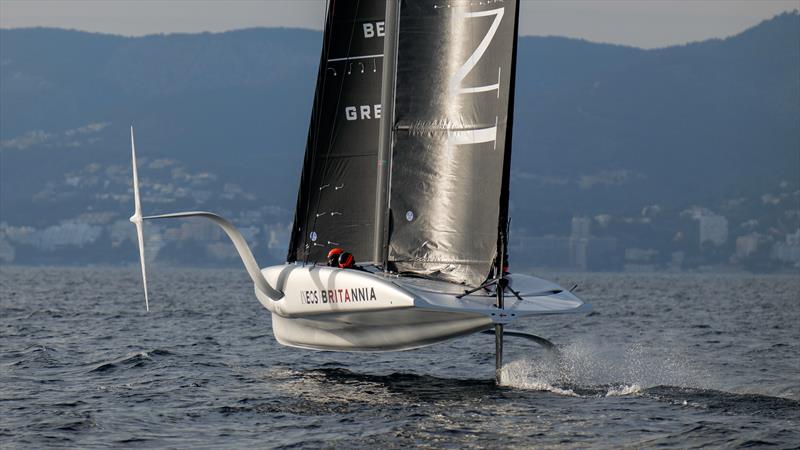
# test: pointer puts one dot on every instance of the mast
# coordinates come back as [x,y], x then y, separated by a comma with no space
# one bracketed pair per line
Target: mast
[385,133]
[502,225]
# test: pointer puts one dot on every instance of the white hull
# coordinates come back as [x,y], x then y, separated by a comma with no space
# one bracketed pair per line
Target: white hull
[327,308]
[375,331]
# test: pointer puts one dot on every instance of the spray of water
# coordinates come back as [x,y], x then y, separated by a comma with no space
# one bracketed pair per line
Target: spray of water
[589,368]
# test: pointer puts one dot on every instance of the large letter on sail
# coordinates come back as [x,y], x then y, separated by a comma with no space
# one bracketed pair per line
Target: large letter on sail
[477,135]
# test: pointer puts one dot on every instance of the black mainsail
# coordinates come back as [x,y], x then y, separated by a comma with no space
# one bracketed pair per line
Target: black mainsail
[336,201]
[444,140]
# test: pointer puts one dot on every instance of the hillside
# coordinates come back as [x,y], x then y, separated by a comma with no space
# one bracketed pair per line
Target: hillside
[602,131]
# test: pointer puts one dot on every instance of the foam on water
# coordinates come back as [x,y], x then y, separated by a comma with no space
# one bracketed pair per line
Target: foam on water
[623,390]
[585,367]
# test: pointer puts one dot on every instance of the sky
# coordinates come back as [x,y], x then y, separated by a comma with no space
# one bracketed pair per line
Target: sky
[638,23]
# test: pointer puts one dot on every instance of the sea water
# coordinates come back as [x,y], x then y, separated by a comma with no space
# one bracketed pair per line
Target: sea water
[670,360]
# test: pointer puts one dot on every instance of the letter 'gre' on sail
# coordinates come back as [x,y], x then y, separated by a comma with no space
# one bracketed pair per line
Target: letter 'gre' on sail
[336,201]
[449,184]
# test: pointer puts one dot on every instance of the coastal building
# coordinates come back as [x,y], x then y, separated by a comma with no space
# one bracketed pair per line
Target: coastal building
[746,245]
[713,228]
[581,227]
[539,251]
[7,252]
[788,251]
[579,242]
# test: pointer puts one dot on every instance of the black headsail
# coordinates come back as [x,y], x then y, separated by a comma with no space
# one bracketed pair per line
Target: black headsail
[336,201]
[451,137]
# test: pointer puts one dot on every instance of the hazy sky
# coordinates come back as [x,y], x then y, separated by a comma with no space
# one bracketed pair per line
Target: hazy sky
[641,23]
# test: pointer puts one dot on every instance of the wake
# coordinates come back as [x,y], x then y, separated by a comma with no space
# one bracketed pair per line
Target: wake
[588,369]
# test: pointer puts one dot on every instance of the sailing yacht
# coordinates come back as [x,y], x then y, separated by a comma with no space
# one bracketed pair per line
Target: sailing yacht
[406,167]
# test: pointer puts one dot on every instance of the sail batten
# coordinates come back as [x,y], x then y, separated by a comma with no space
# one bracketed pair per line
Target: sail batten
[352,58]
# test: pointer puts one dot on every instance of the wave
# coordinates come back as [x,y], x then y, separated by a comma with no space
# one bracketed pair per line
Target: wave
[589,370]
[37,355]
[374,388]
[319,384]
[727,402]
[130,360]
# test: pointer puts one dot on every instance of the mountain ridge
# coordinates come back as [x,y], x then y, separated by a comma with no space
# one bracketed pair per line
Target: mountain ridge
[602,129]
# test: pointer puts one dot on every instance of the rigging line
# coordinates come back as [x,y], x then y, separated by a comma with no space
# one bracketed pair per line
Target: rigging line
[318,102]
[326,165]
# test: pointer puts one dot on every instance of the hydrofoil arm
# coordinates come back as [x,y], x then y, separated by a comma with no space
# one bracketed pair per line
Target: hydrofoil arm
[233,233]
[531,337]
[238,241]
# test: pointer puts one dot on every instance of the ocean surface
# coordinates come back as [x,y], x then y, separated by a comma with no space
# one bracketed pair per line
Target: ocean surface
[671,360]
